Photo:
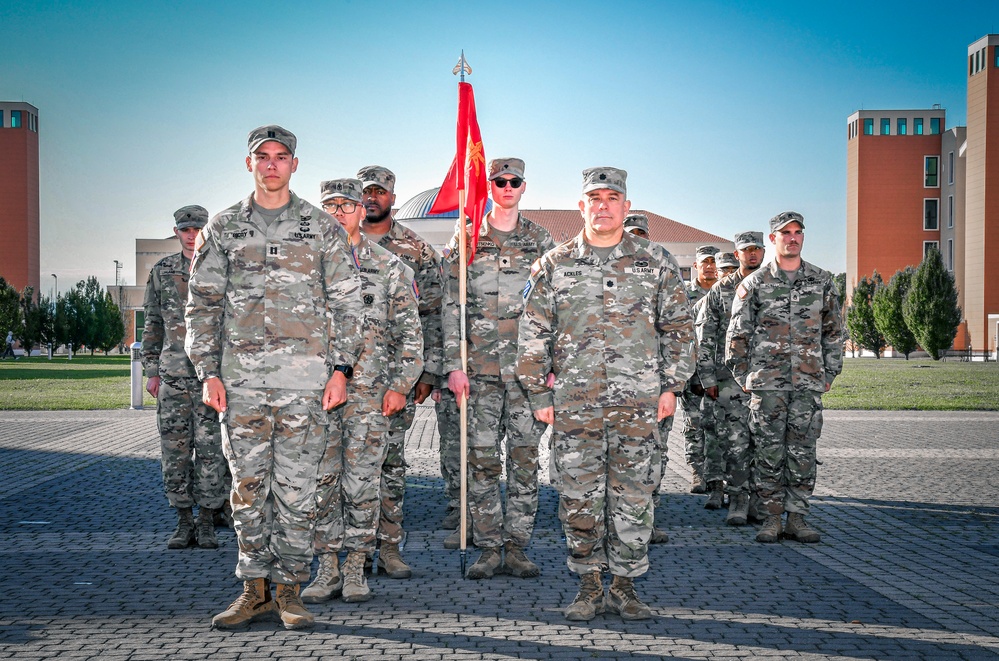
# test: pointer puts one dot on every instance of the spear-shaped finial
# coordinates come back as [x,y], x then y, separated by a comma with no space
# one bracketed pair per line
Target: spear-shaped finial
[462,67]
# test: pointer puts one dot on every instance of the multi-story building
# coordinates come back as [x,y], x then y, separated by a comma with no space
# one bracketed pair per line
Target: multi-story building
[19,213]
[913,184]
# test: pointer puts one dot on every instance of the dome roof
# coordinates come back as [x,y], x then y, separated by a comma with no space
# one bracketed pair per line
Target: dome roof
[418,206]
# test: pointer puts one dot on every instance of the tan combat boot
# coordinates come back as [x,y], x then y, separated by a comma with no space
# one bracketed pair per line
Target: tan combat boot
[487,564]
[738,510]
[205,529]
[717,495]
[589,601]
[659,536]
[355,586]
[797,529]
[697,482]
[623,600]
[255,603]
[291,609]
[327,582]
[516,563]
[183,535]
[392,563]
[770,532]
[453,541]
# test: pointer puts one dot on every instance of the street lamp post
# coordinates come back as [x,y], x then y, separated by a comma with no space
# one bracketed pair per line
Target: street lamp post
[55,295]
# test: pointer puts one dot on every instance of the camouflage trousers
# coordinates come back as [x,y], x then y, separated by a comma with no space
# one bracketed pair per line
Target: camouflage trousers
[713,468]
[785,426]
[665,427]
[693,435]
[498,409]
[274,440]
[347,503]
[449,428]
[731,423]
[194,469]
[608,460]
[393,479]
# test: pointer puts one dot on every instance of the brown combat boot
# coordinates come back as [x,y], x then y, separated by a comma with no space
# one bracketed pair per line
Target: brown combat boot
[799,530]
[453,541]
[183,535]
[717,496]
[291,609]
[738,510]
[659,536]
[205,529]
[623,600]
[355,586]
[391,562]
[589,601]
[255,603]
[516,563]
[487,564]
[770,532]
[697,483]
[327,582]
[451,519]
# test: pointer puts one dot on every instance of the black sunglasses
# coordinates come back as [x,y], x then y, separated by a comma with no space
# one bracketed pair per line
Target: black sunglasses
[514,183]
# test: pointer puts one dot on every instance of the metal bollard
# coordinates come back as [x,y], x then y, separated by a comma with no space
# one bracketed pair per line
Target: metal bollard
[136,376]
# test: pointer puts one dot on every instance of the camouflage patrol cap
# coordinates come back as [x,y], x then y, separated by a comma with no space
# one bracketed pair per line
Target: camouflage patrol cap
[786,218]
[511,166]
[190,216]
[745,239]
[605,177]
[376,175]
[636,221]
[262,134]
[726,260]
[703,253]
[349,189]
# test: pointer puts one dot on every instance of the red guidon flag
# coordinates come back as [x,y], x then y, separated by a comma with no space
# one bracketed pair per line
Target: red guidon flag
[468,170]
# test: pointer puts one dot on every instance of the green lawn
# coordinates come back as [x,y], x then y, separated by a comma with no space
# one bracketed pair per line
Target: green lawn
[84,383]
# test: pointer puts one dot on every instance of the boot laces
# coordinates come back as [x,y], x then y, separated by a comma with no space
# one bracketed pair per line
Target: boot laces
[590,587]
[353,569]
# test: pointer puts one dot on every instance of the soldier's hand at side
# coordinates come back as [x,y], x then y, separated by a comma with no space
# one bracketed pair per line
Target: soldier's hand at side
[153,386]
[711,392]
[697,389]
[422,392]
[545,415]
[550,380]
[667,405]
[435,395]
[392,403]
[457,382]
[335,392]
[213,394]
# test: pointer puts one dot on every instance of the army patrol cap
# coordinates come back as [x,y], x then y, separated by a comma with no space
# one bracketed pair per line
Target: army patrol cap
[191,216]
[704,252]
[376,175]
[726,260]
[511,166]
[262,134]
[786,218]
[349,189]
[636,221]
[612,178]
[745,239]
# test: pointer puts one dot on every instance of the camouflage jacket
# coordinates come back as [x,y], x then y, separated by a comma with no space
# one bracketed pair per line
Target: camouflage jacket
[785,336]
[712,314]
[392,357]
[419,255]
[695,292]
[273,307]
[164,330]
[496,279]
[615,333]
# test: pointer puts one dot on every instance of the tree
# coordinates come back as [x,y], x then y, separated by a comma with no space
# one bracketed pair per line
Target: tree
[860,316]
[93,295]
[28,332]
[73,315]
[930,309]
[840,280]
[10,309]
[109,327]
[888,315]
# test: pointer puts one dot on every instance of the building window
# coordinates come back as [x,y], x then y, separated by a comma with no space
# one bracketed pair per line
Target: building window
[869,126]
[901,130]
[997,56]
[1,119]
[930,245]
[885,126]
[934,126]
[950,211]
[15,119]
[931,165]
[950,254]
[931,214]
[917,126]
[950,168]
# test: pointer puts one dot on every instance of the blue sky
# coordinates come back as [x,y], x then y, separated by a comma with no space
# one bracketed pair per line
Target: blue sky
[723,114]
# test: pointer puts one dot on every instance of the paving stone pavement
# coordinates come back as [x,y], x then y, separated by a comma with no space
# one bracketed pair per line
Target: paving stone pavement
[906,504]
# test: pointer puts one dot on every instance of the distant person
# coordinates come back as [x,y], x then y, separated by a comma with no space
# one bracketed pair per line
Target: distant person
[785,346]
[193,465]
[8,349]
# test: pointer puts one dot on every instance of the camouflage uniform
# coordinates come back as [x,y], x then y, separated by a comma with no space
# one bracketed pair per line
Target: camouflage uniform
[712,445]
[690,402]
[449,429]
[272,307]
[419,255]
[392,359]
[784,345]
[616,332]
[194,468]
[497,404]
[731,419]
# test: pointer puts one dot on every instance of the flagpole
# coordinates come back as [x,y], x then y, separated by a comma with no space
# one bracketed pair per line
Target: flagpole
[463,400]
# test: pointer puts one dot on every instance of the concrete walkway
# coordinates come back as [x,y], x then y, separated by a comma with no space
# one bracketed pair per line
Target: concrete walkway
[906,504]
